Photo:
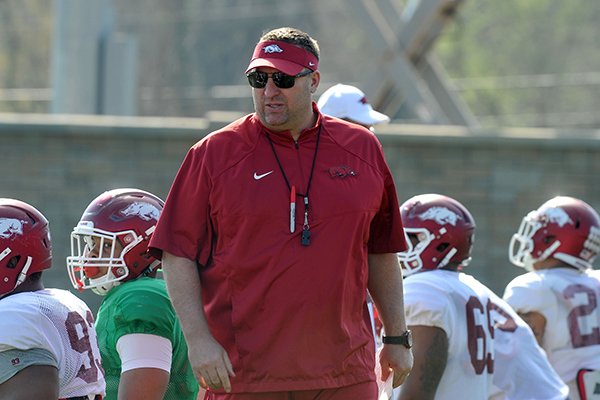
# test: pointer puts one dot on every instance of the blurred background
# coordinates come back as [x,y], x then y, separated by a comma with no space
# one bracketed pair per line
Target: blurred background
[495,103]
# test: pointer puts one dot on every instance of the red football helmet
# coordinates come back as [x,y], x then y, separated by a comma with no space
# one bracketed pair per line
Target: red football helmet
[25,245]
[109,245]
[438,230]
[564,228]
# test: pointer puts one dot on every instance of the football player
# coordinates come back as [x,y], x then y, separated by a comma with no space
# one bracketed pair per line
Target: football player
[143,349]
[468,343]
[48,346]
[559,296]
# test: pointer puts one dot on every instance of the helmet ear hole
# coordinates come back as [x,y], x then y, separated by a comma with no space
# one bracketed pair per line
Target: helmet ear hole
[442,247]
[13,262]
[549,239]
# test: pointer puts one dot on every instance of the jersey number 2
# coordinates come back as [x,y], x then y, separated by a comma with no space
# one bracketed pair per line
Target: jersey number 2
[583,317]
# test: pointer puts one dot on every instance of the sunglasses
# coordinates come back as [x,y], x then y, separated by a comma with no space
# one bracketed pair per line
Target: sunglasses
[258,79]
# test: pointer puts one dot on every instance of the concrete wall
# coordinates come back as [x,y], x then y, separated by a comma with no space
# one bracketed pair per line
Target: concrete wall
[59,163]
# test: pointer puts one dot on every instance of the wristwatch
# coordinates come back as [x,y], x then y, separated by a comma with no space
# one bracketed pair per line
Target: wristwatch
[405,339]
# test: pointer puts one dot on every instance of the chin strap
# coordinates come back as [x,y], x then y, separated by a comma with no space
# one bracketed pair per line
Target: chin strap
[23,274]
[151,268]
[446,259]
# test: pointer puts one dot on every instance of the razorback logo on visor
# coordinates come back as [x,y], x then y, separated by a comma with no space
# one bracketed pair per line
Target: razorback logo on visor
[342,171]
[558,216]
[143,210]
[10,227]
[15,361]
[364,100]
[441,215]
[272,48]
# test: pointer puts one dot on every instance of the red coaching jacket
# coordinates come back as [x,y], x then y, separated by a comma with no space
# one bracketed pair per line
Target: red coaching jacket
[290,316]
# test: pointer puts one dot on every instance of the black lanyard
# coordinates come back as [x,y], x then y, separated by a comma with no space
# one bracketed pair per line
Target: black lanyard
[305,237]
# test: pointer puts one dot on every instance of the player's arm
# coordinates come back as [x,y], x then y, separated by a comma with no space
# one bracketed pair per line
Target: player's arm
[143,383]
[20,368]
[385,287]
[208,358]
[38,382]
[145,366]
[537,322]
[430,349]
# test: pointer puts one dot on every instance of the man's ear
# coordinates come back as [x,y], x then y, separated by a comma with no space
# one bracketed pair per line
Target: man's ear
[315,79]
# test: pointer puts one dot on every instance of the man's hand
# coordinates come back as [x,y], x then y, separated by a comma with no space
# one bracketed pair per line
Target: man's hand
[211,364]
[398,360]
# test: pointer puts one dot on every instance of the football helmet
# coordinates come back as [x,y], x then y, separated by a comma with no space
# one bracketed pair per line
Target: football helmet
[438,230]
[109,245]
[564,228]
[25,245]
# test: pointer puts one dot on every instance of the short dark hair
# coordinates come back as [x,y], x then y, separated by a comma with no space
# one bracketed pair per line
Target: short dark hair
[293,36]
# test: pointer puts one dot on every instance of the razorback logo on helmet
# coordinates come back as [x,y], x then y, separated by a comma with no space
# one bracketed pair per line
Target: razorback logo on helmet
[272,48]
[143,210]
[10,227]
[441,215]
[557,215]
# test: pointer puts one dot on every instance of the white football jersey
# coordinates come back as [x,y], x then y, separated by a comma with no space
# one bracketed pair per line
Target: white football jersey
[60,323]
[569,300]
[458,304]
[521,368]
[491,350]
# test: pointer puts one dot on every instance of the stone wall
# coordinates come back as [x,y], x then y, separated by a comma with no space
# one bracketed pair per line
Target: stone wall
[59,163]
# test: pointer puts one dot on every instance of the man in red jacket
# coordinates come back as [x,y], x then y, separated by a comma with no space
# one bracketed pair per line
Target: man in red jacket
[273,230]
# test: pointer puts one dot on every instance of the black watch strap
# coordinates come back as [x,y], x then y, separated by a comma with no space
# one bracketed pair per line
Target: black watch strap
[405,339]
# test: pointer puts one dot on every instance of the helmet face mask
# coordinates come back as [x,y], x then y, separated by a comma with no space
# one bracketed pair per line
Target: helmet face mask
[25,244]
[439,230]
[98,258]
[417,241]
[109,244]
[563,228]
[521,243]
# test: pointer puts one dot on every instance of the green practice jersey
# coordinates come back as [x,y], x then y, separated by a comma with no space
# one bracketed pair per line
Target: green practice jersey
[143,306]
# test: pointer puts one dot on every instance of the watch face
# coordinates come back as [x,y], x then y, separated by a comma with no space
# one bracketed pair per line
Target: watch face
[409,338]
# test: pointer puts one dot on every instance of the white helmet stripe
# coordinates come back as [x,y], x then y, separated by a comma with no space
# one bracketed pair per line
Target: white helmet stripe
[5,253]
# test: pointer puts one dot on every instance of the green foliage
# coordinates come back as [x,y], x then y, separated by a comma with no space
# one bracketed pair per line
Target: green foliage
[550,45]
